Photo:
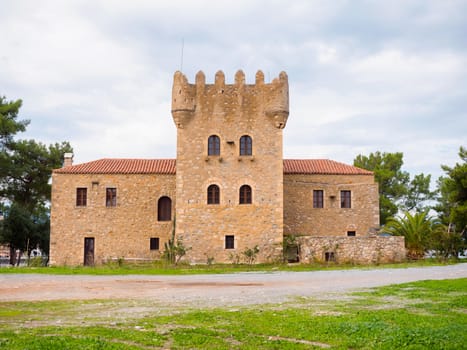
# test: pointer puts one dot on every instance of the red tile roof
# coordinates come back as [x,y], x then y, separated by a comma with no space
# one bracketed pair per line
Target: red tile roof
[122,166]
[167,166]
[321,166]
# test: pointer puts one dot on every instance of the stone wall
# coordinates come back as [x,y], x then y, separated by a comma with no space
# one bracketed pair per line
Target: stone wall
[229,111]
[281,204]
[358,250]
[123,231]
[300,218]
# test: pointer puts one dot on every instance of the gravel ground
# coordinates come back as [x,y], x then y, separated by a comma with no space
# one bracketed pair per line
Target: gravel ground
[214,290]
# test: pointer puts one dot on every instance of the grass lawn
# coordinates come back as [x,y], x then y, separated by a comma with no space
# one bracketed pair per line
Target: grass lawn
[161,268]
[419,315]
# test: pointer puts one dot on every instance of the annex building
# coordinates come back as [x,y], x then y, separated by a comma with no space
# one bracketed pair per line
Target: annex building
[229,189]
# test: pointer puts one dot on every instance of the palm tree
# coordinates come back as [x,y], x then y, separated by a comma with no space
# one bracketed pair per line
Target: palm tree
[416,229]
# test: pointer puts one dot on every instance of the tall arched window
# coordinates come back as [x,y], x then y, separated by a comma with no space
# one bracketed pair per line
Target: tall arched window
[164,209]
[214,145]
[213,194]
[245,195]
[246,146]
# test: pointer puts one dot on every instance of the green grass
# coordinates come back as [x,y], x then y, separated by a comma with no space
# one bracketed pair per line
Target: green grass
[159,268]
[419,315]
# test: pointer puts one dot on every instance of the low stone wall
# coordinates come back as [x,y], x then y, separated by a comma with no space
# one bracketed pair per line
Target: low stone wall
[358,250]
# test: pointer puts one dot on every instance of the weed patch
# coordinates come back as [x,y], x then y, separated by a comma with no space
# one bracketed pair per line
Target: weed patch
[163,268]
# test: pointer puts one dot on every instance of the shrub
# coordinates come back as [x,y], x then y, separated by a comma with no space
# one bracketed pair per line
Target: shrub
[250,254]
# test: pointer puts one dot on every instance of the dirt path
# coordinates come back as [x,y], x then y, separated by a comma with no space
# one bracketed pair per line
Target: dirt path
[213,290]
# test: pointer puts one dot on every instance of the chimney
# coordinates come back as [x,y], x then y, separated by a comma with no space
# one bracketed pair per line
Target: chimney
[67,159]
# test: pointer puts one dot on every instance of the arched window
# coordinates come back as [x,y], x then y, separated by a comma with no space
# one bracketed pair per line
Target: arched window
[245,195]
[246,146]
[214,145]
[213,194]
[164,209]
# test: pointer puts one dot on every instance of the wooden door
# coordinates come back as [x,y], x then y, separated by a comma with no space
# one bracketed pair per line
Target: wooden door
[89,251]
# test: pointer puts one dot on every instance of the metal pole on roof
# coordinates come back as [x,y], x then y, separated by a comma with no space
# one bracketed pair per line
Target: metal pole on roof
[181,58]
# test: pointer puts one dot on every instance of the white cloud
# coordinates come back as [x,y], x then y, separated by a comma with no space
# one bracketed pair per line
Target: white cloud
[397,68]
[364,76]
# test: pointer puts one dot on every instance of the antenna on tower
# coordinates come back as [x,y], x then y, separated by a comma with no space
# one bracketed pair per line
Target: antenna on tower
[181,58]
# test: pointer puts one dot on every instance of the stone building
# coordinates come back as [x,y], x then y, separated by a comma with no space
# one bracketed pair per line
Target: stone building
[228,190]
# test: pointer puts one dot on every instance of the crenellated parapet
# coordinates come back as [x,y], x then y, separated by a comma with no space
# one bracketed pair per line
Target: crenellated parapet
[183,99]
[229,100]
[277,107]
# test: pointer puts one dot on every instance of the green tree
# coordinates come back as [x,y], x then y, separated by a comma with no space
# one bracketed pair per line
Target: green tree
[417,230]
[25,171]
[9,125]
[447,243]
[18,229]
[452,200]
[418,194]
[29,166]
[397,192]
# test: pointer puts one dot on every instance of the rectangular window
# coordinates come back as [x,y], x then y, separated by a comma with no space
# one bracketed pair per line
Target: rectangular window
[351,233]
[346,199]
[230,242]
[81,196]
[318,199]
[111,197]
[154,243]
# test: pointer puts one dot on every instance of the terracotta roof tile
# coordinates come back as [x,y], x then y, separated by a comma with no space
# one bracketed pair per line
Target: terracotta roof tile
[122,166]
[167,166]
[321,166]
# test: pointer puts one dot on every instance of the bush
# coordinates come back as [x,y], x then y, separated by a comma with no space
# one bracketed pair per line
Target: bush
[37,261]
[250,254]
[447,244]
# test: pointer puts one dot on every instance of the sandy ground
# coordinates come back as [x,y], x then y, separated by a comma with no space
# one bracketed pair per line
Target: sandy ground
[214,290]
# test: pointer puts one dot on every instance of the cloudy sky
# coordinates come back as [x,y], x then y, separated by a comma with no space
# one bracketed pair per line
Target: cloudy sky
[363,75]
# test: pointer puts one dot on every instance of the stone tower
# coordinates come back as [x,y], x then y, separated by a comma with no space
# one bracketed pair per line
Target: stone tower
[229,180]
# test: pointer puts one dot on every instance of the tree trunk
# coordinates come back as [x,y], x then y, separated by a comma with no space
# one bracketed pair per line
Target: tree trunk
[12,255]
[19,258]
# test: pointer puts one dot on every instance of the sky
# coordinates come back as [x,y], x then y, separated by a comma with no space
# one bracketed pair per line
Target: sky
[364,76]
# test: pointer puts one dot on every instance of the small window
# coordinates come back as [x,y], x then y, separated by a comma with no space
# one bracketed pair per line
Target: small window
[81,197]
[246,146]
[318,199]
[351,233]
[230,242]
[213,194]
[245,195]
[164,209]
[214,145]
[346,199]
[154,243]
[111,197]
